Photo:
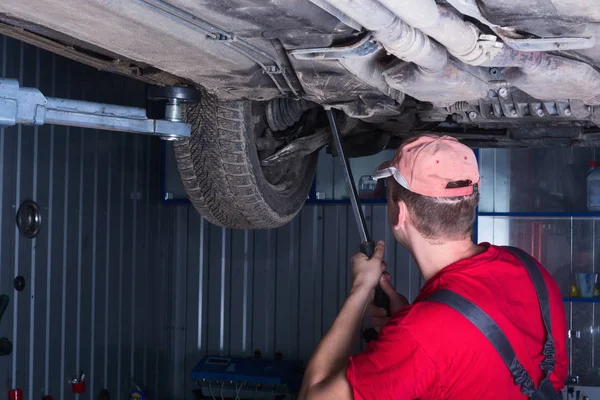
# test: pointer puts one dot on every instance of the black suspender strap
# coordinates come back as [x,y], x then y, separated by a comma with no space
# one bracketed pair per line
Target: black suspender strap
[492,331]
[542,293]
[498,339]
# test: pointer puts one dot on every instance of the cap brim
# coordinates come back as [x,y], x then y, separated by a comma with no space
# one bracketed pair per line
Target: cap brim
[385,171]
[382,173]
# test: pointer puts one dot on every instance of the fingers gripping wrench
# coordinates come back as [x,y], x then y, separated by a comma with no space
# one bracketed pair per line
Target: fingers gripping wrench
[367,247]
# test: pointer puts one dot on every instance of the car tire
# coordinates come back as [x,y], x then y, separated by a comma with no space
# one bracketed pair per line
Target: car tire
[221,172]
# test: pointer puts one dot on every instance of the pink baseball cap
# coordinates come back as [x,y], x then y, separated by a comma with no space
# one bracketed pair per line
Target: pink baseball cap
[426,165]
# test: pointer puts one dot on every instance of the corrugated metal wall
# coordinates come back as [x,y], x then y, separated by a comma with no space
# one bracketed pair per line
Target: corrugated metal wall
[276,290]
[96,272]
[120,286]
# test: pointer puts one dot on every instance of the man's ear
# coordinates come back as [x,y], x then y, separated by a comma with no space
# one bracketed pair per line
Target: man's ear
[402,214]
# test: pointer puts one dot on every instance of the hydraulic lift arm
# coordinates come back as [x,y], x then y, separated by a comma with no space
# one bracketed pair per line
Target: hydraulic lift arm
[29,106]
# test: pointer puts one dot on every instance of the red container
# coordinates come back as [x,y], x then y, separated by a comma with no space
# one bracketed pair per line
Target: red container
[15,394]
[78,387]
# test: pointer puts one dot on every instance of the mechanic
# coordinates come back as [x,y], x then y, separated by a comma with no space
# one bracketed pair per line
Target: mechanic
[426,349]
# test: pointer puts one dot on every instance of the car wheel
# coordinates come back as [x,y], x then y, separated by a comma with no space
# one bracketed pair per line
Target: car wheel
[221,171]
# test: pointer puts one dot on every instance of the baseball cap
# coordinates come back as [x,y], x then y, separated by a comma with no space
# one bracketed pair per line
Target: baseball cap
[429,164]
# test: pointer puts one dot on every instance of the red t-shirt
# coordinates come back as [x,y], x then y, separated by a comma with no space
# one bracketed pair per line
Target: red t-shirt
[430,351]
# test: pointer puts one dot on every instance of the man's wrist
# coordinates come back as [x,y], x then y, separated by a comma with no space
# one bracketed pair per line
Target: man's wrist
[362,287]
[362,291]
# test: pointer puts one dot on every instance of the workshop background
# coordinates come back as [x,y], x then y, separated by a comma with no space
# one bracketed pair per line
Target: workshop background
[131,289]
[95,296]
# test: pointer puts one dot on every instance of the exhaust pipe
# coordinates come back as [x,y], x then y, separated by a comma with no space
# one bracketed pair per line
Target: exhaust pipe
[398,38]
[461,38]
[541,75]
[405,29]
[422,79]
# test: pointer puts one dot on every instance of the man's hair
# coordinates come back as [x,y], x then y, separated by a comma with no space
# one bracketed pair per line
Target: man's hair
[438,218]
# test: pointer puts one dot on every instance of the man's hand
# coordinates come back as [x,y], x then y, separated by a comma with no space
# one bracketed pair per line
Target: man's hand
[325,375]
[379,317]
[366,273]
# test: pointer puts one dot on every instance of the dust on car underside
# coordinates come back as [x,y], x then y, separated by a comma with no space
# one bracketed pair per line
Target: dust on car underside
[493,72]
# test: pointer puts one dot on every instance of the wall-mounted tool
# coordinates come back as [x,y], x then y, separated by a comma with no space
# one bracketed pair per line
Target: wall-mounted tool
[6,346]
[78,383]
[29,219]
[15,394]
[19,283]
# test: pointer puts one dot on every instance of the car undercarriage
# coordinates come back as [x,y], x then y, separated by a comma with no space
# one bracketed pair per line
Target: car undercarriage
[493,73]
[490,71]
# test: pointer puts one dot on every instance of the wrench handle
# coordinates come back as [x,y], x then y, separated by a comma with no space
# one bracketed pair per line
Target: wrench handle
[381,299]
[367,248]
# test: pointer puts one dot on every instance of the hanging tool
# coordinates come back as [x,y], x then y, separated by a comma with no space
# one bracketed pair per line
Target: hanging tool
[6,346]
[367,247]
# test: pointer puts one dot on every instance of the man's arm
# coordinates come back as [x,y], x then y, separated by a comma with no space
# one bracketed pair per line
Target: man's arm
[325,375]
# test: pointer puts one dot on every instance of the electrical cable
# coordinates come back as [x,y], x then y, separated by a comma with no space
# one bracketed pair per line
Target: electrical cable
[211,392]
[238,390]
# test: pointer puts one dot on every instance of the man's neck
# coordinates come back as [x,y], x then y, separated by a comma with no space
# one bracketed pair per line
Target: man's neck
[432,258]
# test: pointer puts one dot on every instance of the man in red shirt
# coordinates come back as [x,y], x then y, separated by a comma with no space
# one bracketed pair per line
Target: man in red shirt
[428,350]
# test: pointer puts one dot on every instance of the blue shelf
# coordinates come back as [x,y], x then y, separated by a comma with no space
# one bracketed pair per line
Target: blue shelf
[345,201]
[565,215]
[581,300]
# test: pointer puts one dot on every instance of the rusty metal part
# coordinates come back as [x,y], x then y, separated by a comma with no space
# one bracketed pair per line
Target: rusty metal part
[459,37]
[370,71]
[410,44]
[510,106]
[515,40]
[558,77]
[463,39]
[517,104]
[361,59]
[456,82]
[299,148]
[541,75]
[369,107]
[432,77]
[509,57]
[395,35]
[365,46]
